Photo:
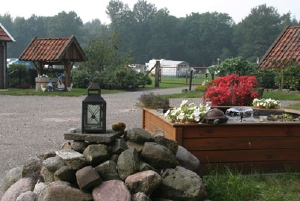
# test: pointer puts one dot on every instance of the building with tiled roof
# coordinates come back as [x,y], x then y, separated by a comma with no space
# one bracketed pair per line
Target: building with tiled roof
[54,51]
[285,50]
[4,38]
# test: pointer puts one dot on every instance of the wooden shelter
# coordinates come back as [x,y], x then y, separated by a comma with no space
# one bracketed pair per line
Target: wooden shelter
[4,38]
[285,50]
[54,51]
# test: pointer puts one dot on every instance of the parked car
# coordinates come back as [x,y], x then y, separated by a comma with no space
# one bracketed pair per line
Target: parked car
[28,64]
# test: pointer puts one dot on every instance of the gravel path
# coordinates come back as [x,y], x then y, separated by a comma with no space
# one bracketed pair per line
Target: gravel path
[33,125]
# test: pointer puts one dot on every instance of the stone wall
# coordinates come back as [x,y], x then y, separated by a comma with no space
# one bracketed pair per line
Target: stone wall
[119,165]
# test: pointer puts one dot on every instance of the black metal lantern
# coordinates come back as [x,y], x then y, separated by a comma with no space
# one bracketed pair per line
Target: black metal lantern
[93,111]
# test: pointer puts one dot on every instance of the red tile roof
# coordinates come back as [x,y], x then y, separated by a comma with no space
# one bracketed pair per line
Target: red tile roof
[54,50]
[284,51]
[4,35]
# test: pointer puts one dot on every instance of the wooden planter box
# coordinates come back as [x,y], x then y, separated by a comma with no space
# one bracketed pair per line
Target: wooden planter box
[247,147]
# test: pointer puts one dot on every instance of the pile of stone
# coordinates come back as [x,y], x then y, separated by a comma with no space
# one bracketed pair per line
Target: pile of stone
[120,165]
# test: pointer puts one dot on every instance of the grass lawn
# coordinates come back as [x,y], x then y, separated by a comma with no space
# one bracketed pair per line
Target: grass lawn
[234,186]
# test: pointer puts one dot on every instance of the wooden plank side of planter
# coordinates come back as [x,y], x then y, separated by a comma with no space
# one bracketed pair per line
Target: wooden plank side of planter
[247,129]
[152,122]
[252,167]
[241,143]
[248,155]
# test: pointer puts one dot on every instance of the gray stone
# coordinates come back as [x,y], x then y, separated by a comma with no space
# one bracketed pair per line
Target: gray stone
[170,144]
[59,190]
[138,135]
[105,138]
[158,133]
[187,160]
[146,182]
[96,154]
[108,170]
[145,166]
[47,175]
[111,191]
[114,158]
[32,168]
[79,146]
[73,159]
[12,177]
[66,145]
[87,178]
[39,187]
[65,174]
[119,146]
[140,197]
[133,145]
[27,196]
[53,163]
[128,163]
[182,184]
[21,186]
[158,156]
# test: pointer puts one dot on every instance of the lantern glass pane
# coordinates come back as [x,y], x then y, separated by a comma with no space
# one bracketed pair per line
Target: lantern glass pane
[94,117]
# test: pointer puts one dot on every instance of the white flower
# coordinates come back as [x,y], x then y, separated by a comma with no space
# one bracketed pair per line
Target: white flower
[180,116]
[183,103]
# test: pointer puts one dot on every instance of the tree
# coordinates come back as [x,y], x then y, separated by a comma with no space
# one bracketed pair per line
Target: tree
[103,54]
[208,37]
[236,65]
[65,25]
[254,35]
[165,37]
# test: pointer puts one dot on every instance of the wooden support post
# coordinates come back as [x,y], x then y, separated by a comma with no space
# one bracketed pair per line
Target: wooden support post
[157,71]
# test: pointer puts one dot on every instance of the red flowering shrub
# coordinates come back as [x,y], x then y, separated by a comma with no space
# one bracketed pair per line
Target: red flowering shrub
[232,90]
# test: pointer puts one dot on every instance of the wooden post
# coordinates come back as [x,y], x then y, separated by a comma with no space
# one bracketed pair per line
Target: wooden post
[157,70]
[191,80]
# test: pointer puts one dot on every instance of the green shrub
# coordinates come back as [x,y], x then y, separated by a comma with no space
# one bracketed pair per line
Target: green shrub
[18,76]
[266,78]
[120,79]
[80,78]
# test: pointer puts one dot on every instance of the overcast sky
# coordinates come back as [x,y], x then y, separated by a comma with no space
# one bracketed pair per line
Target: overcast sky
[95,9]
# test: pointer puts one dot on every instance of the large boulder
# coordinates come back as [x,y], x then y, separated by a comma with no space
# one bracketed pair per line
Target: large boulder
[128,163]
[47,175]
[27,196]
[21,186]
[158,156]
[187,160]
[53,163]
[87,178]
[73,159]
[182,184]
[119,146]
[170,144]
[138,135]
[65,174]
[96,154]
[12,177]
[60,190]
[146,182]
[111,191]
[108,171]
[32,168]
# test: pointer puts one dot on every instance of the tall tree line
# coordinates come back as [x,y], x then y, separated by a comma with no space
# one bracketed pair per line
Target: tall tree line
[202,39]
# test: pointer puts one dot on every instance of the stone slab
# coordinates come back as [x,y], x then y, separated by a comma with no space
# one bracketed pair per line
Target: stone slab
[107,137]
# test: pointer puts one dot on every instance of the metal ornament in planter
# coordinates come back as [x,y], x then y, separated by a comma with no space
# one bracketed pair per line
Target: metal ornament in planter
[93,111]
